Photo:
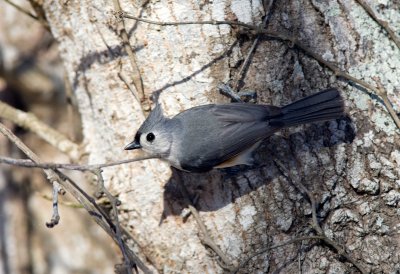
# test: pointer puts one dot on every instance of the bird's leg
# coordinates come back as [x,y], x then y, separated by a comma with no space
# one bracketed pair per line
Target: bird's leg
[228,92]
[249,95]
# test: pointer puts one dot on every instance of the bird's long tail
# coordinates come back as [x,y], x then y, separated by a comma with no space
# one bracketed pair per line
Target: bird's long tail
[322,106]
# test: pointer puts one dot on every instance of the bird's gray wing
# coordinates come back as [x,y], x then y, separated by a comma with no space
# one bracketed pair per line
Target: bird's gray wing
[243,112]
[229,129]
[242,126]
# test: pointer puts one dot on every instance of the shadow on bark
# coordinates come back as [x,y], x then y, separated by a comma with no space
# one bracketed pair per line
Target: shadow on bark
[156,94]
[99,57]
[215,189]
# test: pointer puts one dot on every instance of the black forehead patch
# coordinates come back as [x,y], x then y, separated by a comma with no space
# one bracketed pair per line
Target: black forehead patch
[137,137]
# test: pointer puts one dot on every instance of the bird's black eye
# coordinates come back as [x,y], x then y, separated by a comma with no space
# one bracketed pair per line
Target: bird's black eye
[150,137]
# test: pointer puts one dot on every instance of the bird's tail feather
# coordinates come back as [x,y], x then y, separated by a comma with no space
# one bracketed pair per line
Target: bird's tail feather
[322,106]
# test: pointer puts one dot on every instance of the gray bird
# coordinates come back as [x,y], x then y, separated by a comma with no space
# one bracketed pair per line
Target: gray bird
[224,135]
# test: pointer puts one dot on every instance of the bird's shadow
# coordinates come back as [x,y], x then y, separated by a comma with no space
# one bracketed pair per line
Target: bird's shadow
[216,189]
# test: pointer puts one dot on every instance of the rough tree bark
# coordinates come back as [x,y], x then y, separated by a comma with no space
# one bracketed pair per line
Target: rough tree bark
[351,165]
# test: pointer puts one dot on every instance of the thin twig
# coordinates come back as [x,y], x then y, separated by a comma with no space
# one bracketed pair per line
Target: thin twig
[383,24]
[229,92]
[14,139]
[210,22]
[67,204]
[294,41]
[299,239]
[309,195]
[206,238]
[114,203]
[381,93]
[81,196]
[48,134]
[50,174]
[56,217]
[385,99]
[40,13]
[208,241]
[31,164]
[129,86]
[102,219]
[22,10]
[253,47]
[299,255]
[136,76]
[53,178]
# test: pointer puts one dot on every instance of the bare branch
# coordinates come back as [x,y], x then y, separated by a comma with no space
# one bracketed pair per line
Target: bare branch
[129,86]
[32,123]
[100,217]
[38,7]
[22,10]
[67,204]
[56,217]
[114,203]
[31,164]
[87,202]
[137,77]
[229,92]
[50,174]
[240,75]
[383,24]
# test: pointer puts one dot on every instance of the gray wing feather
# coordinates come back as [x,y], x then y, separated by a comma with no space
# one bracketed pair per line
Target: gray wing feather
[219,132]
[240,112]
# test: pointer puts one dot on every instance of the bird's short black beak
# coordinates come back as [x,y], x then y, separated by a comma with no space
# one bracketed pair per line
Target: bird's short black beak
[133,145]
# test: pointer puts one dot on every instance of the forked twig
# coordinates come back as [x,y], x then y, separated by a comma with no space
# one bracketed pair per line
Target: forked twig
[383,24]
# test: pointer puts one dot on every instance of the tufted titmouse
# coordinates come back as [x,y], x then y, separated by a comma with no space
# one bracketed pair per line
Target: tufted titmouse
[217,136]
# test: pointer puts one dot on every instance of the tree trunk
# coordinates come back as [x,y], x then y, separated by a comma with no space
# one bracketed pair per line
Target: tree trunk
[350,165]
